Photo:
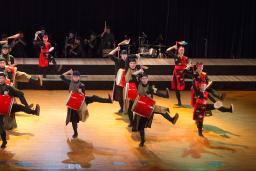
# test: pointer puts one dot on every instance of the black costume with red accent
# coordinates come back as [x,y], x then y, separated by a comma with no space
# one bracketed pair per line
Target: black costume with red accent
[198,79]
[118,90]
[202,106]
[178,78]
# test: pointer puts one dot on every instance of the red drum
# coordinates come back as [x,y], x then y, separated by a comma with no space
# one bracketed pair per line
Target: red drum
[75,100]
[143,106]
[130,91]
[6,103]
[120,78]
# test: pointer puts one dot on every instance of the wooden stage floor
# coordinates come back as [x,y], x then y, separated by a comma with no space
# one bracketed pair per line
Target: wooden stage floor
[105,142]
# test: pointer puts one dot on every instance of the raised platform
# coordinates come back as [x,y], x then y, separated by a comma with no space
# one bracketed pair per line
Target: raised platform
[105,143]
[227,74]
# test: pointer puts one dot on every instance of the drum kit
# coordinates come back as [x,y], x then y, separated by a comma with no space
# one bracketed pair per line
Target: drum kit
[6,104]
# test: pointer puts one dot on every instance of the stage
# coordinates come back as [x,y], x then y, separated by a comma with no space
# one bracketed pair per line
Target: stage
[106,143]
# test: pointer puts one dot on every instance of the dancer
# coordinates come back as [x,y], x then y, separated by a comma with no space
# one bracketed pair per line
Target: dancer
[140,122]
[181,61]
[76,85]
[12,92]
[120,65]
[131,78]
[202,105]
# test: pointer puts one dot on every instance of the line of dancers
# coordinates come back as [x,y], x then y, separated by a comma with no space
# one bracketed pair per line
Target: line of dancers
[131,90]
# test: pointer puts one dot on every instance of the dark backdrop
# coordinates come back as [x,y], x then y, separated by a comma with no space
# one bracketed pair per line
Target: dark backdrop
[227,26]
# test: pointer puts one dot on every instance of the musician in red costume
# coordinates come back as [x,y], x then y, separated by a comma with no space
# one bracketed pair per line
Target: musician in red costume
[45,56]
[181,61]
[202,105]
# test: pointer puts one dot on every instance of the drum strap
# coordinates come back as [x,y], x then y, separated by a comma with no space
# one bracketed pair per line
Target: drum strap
[143,90]
[74,86]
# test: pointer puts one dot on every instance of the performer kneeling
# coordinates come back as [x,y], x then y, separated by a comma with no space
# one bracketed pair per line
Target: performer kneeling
[75,85]
[202,105]
[144,120]
[6,90]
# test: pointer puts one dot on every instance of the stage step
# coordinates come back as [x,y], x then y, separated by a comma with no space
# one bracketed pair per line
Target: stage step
[223,82]
[104,66]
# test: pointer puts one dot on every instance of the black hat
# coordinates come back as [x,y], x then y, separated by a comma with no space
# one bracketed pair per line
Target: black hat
[124,52]
[76,73]
[2,74]
[144,74]
[132,60]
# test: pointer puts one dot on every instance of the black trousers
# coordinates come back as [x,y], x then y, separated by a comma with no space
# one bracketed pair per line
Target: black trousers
[210,107]
[177,92]
[2,129]
[22,108]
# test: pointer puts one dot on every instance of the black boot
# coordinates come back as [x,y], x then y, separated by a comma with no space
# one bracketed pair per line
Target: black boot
[178,98]
[4,144]
[175,118]
[142,138]
[167,116]
[200,128]
[110,99]
[37,110]
[225,109]
[3,137]
[200,133]
[74,125]
[167,93]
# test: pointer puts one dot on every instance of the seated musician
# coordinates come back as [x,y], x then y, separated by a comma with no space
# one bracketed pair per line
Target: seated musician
[139,122]
[13,92]
[76,85]
[107,40]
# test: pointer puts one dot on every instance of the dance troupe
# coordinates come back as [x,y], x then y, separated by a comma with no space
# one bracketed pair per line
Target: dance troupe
[132,90]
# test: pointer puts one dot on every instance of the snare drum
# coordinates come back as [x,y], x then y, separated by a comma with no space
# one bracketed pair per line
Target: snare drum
[6,103]
[130,92]
[75,100]
[120,78]
[143,106]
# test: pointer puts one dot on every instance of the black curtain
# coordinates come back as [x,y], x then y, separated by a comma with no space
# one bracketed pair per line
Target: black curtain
[213,28]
